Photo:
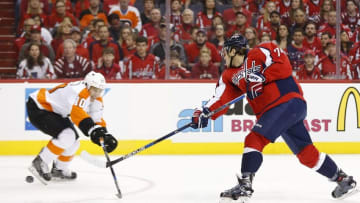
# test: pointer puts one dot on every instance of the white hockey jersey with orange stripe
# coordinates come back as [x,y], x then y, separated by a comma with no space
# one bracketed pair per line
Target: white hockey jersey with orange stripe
[72,100]
[132,16]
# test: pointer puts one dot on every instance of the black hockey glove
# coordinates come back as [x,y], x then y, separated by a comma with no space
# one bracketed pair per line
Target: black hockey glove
[109,141]
[199,119]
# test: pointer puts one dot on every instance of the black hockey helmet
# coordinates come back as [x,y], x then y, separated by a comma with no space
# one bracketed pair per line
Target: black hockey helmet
[237,42]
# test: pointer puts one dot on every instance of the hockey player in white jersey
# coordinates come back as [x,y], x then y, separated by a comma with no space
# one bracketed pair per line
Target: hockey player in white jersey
[55,111]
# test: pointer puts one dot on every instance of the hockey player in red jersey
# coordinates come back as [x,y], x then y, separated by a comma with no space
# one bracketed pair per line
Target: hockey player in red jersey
[55,111]
[265,75]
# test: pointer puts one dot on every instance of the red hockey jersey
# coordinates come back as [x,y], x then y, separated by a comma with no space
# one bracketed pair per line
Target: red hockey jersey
[279,87]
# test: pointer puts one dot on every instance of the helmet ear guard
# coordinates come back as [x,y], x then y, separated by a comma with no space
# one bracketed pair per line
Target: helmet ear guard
[237,42]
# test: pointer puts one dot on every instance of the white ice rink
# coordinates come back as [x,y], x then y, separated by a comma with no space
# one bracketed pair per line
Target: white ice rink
[175,179]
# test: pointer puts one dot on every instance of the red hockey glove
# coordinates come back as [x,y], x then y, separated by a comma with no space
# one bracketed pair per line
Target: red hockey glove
[255,85]
[199,118]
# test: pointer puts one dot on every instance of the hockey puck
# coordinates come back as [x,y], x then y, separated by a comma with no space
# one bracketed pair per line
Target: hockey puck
[29,179]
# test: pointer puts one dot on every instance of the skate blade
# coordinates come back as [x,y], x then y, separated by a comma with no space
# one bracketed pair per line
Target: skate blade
[229,200]
[349,194]
[37,175]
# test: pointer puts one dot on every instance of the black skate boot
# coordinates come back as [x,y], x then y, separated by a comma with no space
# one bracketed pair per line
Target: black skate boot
[346,186]
[40,170]
[62,174]
[241,193]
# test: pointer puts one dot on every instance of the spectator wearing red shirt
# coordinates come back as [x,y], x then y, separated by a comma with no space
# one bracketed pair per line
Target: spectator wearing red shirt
[204,18]
[193,49]
[58,16]
[35,37]
[240,25]
[63,32]
[296,50]
[230,13]
[96,48]
[308,71]
[183,31]
[351,17]
[311,41]
[327,65]
[273,25]
[141,65]
[71,65]
[326,7]
[80,6]
[93,36]
[354,57]
[151,29]
[176,70]
[34,7]
[251,36]
[324,39]
[284,6]
[80,49]
[205,69]
[106,65]
[289,17]
[313,9]
[330,26]
[265,18]
[130,47]
[175,16]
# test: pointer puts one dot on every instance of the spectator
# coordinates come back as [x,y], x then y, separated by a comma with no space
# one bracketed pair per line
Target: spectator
[176,70]
[94,11]
[63,32]
[127,14]
[354,58]
[25,36]
[327,65]
[80,6]
[311,41]
[284,7]
[346,44]
[43,4]
[35,65]
[204,18]
[45,33]
[93,36]
[313,10]
[68,6]
[273,25]
[58,16]
[240,25]
[183,31]
[230,13]
[175,17]
[125,33]
[80,49]
[205,69]
[158,49]
[324,39]
[151,30]
[71,65]
[330,26]
[115,26]
[283,38]
[34,7]
[106,65]
[130,47]
[351,17]
[326,7]
[289,17]
[264,19]
[308,71]
[141,65]
[149,5]
[299,20]
[96,48]
[35,37]
[217,20]
[193,49]
[296,50]
[265,37]
[220,38]
[251,36]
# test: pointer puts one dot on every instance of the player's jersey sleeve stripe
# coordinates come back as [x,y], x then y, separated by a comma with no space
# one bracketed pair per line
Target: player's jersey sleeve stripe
[41,98]
[218,92]
[268,58]
[102,123]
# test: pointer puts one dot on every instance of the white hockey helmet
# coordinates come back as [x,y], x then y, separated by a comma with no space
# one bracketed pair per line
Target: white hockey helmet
[94,79]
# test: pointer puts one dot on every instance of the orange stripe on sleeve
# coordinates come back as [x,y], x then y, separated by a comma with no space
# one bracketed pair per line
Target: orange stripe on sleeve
[54,149]
[41,97]
[66,158]
[102,123]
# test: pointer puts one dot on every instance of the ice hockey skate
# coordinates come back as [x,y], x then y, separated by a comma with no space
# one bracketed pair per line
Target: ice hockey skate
[241,193]
[346,186]
[40,170]
[59,174]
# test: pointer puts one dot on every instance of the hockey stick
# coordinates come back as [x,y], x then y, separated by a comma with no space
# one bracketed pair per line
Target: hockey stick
[119,195]
[110,163]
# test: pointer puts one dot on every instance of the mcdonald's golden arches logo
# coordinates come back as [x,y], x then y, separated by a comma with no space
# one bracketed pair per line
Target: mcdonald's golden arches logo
[343,107]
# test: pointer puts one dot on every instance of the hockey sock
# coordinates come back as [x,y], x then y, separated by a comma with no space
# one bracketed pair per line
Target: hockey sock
[328,168]
[57,146]
[64,160]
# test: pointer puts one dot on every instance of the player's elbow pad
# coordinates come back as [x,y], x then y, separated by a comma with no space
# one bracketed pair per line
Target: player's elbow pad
[85,125]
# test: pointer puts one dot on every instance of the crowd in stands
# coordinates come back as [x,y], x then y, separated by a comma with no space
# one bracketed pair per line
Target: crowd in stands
[126,39]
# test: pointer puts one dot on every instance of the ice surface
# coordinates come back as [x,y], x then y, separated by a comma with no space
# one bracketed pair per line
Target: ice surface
[174,179]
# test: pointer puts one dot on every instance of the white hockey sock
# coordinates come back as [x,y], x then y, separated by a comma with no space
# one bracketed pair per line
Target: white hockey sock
[64,160]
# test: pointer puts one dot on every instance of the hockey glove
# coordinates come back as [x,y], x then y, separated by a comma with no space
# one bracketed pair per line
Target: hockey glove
[199,118]
[109,141]
[254,85]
